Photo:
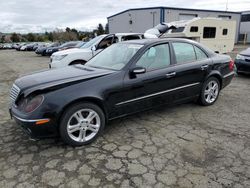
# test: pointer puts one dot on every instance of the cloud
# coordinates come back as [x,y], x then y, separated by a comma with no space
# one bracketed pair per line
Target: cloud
[39,16]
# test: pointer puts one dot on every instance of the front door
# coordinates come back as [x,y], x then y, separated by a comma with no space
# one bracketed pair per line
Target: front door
[152,88]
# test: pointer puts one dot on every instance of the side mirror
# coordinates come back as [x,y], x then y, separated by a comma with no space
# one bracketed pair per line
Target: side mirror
[138,70]
[93,48]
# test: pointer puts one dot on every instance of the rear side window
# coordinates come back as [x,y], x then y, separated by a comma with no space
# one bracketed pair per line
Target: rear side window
[184,52]
[209,32]
[200,55]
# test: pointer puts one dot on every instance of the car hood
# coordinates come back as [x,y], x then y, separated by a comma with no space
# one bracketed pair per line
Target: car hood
[53,48]
[58,78]
[245,52]
[72,51]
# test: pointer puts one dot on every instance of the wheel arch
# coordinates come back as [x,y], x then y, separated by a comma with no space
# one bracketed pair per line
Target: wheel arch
[77,60]
[217,75]
[93,100]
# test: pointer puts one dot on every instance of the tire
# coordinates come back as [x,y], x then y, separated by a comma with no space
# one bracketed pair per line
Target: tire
[77,62]
[88,129]
[208,95]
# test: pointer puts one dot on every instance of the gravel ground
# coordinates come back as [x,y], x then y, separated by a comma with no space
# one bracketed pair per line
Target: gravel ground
[183,146]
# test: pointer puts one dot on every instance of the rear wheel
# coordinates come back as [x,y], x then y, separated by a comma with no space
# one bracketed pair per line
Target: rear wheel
[81,124]
[210,91]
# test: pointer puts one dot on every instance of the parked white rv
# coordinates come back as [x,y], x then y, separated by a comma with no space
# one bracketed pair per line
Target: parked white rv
[216,33]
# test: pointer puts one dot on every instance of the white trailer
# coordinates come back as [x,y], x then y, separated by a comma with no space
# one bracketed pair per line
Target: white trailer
[216,33]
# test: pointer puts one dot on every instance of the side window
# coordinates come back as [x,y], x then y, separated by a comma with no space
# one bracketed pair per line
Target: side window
[224,32]
[184,52]
[130,37]
[194,29]
[199,53]
[209,32]
[156,57]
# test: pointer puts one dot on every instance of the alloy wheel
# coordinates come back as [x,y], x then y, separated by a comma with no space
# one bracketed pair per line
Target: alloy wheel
[83,125]
[211,91]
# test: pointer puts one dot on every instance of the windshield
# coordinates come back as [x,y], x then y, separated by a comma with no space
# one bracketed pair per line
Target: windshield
[93,41]
[114,57]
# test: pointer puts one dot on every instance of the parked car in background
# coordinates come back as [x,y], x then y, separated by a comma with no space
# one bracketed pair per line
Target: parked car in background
[88,50]
[75,102]
[24,47]
[7,46]
[64,46]
[20,46]
[42,50]
[30,46]
[242,61]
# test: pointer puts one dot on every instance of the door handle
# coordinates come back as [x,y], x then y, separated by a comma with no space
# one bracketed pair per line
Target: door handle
[204,67]
[170,75]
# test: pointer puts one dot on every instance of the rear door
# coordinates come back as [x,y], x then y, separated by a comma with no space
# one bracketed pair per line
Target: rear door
[191,68]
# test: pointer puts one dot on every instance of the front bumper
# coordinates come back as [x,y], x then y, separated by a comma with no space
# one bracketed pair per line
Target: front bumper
[243,66]
[34,130]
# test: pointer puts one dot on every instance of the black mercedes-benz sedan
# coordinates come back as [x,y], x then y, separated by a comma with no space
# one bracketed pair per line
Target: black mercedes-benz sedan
[242,62]
[77,101]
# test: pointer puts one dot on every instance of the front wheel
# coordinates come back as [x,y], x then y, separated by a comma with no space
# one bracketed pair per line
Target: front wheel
[81,124]
[210,91]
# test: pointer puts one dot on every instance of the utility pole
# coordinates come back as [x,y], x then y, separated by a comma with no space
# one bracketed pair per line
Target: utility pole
[227,6]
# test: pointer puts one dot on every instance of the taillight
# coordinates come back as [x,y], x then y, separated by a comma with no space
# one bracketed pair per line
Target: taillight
[231,65]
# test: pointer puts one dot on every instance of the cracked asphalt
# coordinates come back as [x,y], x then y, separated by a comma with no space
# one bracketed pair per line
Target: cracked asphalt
[182,146]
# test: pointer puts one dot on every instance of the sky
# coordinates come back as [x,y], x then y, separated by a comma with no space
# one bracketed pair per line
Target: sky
[24,16]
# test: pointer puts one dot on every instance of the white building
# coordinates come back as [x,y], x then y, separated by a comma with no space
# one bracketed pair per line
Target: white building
[245,26]
[140,19]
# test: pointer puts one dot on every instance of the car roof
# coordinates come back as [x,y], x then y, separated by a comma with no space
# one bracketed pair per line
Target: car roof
[127,34]
[149,41]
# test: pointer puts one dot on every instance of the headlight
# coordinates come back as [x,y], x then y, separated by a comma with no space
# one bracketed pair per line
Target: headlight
[241,57]
[59,57]
[30,104]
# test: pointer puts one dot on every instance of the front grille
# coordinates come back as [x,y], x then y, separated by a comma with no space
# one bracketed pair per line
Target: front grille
[14,92]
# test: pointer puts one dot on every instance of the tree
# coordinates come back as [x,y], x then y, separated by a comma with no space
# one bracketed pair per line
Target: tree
[2,38]
[68,29]
[31,37]
[50,36]
[15,37]
[107,28]
[100,30]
